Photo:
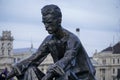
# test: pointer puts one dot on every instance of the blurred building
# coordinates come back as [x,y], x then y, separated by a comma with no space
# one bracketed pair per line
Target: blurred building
[108,63]
[10,56]
[6,50]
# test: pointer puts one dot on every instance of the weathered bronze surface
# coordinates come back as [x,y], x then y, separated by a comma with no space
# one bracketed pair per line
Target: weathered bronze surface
[71,61]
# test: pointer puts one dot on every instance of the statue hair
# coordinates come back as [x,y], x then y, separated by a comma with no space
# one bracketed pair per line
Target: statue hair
[51,9]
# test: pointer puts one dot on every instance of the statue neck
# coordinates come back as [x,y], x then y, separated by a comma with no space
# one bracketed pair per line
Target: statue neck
[59,34]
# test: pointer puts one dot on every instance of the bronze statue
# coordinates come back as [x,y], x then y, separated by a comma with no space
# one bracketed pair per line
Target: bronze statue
[71,61]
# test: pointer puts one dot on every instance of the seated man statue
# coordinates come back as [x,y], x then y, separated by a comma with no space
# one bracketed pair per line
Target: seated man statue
[71,62]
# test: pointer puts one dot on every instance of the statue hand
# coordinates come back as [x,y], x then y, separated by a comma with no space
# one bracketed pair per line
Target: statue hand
[48,76]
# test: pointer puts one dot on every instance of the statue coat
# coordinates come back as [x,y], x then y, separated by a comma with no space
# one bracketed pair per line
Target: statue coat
[71,62]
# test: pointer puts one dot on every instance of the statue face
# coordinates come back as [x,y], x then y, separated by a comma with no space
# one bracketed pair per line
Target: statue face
[51,23]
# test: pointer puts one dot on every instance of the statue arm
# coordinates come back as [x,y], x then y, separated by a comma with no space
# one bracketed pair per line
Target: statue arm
[34,60]
[68,59]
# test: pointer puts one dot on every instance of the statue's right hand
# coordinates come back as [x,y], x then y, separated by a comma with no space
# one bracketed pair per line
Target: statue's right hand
[48,76]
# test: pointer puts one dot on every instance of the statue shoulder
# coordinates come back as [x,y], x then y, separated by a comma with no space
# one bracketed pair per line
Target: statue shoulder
[49,37]
[72,36]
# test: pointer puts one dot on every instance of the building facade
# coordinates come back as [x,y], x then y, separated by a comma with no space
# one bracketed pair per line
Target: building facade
[108,67]
[6,50]
[10,56]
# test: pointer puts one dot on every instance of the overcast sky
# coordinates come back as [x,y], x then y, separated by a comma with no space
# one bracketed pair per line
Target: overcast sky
[98,20]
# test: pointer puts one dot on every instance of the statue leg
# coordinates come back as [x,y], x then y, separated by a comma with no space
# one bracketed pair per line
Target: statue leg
[32,73]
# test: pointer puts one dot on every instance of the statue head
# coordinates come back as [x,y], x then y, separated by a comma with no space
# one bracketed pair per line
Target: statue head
[51,17]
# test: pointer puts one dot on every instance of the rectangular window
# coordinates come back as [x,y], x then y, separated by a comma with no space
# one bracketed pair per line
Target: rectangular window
[102,71]
[2,52]
[9,52]
[104,61]
[118,74]
[103,78]
[118,61]
[113,70]
[114,78]
[113,61]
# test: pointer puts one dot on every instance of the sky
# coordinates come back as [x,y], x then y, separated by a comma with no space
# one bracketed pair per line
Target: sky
[98,21]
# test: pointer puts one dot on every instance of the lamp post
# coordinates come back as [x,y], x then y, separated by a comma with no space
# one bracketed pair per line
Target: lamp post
[78,32]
